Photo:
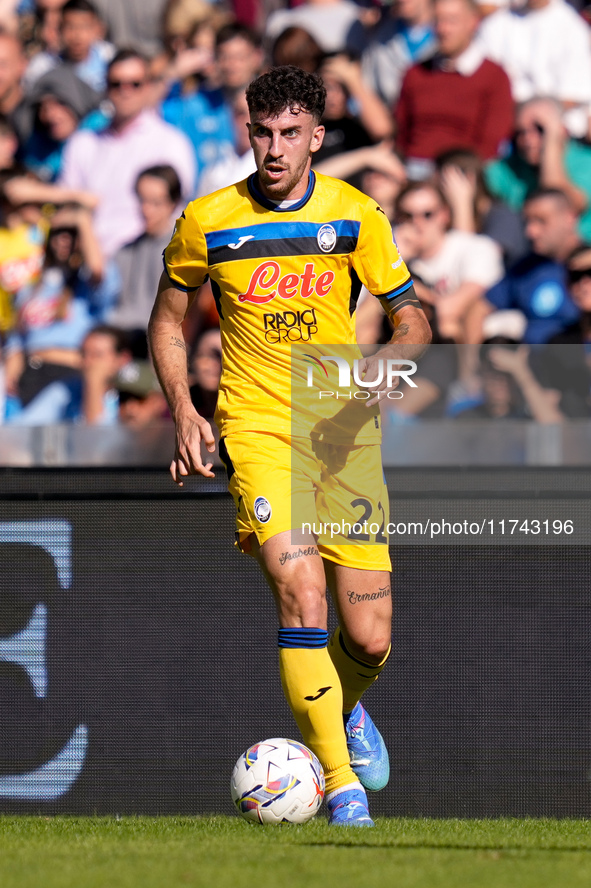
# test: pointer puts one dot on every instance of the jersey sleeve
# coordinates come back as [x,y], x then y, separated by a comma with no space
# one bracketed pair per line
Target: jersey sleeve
[377,260]
[185,258]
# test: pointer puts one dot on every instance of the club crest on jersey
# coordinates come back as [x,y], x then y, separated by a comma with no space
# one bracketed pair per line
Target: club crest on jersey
[262,509]
[327,238]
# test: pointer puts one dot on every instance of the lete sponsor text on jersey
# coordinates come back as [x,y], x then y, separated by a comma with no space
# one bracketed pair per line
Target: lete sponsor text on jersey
[266,282]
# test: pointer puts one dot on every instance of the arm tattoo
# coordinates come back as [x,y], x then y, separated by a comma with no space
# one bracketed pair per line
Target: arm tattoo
[174,340]
[289,556]
[402,330]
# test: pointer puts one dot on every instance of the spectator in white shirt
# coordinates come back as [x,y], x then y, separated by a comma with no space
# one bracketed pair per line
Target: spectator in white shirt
[108,163]
[545,49]
[328,21]
[452,269]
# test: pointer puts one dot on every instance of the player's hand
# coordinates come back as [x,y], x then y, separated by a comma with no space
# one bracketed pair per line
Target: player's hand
[191,430]
[370,368]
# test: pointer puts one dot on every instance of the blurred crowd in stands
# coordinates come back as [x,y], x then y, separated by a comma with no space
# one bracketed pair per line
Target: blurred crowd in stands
[467,120]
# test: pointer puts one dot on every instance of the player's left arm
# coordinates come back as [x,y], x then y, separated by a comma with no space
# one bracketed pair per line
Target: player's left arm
[384,273]
[412,335]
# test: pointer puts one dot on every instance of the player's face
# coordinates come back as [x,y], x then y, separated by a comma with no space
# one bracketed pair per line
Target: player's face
[283,147]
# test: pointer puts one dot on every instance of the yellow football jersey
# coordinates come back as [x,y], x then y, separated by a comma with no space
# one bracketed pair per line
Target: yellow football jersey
[22,251]
[286,280]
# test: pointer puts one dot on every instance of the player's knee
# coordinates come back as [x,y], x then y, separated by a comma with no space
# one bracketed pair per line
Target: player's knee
[302,605]
[371,649]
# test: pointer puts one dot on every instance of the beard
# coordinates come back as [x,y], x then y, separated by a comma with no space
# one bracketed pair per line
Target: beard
[282,188]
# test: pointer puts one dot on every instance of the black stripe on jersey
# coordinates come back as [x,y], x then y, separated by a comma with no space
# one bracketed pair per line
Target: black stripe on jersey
[217,295]
[272,249]
[355,291]
[225,458]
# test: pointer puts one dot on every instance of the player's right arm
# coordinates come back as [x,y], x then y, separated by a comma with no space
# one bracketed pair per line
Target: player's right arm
[169,354]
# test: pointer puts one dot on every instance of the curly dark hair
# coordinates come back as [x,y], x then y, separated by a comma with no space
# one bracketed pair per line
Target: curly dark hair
[286,87]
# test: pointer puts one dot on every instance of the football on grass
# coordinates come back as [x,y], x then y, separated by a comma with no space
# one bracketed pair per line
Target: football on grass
[277,781]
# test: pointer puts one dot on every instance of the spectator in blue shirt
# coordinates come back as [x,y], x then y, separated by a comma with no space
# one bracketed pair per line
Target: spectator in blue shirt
[205,116]
[53,315]
[89,398]
[83,47]
[538,285]
[63,103]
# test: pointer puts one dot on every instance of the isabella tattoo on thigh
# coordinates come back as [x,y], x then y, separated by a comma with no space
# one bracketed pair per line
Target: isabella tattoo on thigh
[289,556]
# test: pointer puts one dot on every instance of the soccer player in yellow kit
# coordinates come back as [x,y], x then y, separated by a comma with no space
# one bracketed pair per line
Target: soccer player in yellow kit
[287,252]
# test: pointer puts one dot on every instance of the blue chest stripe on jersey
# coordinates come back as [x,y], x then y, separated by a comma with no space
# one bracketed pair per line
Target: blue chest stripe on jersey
[274,249]
[239,238]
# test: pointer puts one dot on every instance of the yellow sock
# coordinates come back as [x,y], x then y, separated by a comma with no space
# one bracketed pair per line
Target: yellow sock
[313,691]
[355,675]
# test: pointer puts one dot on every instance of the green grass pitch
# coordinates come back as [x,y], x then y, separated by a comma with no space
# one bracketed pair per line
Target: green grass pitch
[224,852]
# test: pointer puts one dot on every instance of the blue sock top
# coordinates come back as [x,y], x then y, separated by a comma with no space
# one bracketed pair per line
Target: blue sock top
[302,638]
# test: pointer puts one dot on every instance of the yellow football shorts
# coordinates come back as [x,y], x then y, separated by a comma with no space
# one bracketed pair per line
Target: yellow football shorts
[335,492]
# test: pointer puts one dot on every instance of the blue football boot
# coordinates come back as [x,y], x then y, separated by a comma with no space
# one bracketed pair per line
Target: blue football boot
[349,808]
[367,750]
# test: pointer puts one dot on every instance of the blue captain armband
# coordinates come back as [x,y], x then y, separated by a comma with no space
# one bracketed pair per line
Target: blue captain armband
[400,297]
